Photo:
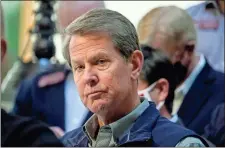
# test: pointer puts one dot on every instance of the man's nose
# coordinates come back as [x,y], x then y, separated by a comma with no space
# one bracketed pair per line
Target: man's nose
[90,77]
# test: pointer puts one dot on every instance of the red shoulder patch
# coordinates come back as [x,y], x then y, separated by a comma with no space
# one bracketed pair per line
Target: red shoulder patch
[207,24]
[51,79]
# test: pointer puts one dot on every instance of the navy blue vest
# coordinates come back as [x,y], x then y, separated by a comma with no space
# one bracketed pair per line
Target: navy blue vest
[150,129]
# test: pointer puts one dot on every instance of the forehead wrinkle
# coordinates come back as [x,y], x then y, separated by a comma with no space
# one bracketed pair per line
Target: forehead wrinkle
[88,39]
[91,38]
[87,56]
[101,52]
[89,48]
[75,49]
[86,44]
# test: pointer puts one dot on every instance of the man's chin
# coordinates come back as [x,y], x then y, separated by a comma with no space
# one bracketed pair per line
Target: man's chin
[100,106]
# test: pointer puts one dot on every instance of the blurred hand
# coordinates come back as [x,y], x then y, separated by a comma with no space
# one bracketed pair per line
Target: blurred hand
[57,131]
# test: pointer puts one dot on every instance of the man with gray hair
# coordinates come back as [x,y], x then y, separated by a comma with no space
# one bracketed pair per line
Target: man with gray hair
[200,87]
[103,51]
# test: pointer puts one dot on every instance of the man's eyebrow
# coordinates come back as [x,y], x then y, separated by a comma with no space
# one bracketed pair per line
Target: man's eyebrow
[92,57]
[99,54]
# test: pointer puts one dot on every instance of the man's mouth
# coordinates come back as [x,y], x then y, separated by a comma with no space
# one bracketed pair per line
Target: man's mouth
[94,95]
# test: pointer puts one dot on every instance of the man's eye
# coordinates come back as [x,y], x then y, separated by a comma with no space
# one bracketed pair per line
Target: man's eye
[101,62]
[79,68]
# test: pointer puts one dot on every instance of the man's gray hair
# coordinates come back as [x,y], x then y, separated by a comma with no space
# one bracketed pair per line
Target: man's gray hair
[175,22]
[118,27]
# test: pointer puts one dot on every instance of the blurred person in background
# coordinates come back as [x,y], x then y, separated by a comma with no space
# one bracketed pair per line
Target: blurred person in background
[144,23]
[200,88]
[103,51]
[52,96]
[157,81]
[17,131]
[209,23]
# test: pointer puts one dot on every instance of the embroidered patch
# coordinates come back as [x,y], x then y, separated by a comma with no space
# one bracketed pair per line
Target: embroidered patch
[207,24]
[51,79]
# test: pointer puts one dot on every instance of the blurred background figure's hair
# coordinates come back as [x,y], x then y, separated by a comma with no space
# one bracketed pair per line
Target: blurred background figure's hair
[144,24]
[175,23]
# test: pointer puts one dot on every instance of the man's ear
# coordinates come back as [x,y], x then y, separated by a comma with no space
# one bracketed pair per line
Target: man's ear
[163,87]
[3,48]
[136,62]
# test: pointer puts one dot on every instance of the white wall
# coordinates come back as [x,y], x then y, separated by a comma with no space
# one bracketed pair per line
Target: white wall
[133,10]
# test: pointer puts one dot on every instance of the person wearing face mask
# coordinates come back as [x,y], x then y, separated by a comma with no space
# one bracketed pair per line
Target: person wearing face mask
[200,88]
[157,81]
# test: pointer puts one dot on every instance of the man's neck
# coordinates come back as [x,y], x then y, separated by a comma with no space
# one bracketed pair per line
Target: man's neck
[119,111]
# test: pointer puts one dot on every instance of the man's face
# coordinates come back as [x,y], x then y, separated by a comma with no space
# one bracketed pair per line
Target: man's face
[179,53]
[171,48]
[100,73]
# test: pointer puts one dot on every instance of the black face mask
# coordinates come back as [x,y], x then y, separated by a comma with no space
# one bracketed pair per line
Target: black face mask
[180,71]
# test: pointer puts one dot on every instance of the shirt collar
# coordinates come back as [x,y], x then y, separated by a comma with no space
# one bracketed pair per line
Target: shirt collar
[184,88]
[91,127]
[174,118]
[120,126]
